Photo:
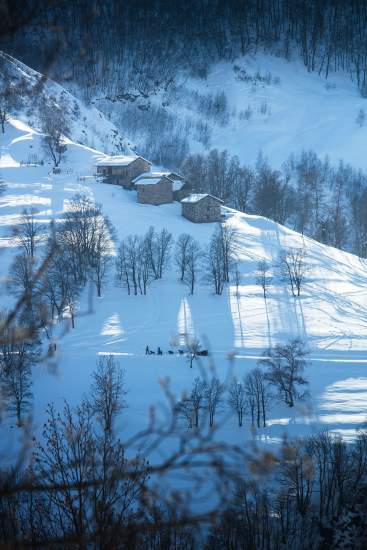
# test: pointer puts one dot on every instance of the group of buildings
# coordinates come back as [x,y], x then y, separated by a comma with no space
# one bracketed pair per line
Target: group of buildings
[135,172]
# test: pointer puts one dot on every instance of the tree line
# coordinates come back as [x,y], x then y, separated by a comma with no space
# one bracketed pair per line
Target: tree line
[78,485]
[114,49]
[279,376]
[308,194]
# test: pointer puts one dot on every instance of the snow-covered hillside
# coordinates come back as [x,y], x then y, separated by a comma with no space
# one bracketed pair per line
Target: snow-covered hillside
[256,103]
[330,313]
[88,126]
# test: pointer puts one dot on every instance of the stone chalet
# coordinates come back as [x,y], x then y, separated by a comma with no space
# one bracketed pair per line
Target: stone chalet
[122,169]
[153,188]
[160,187]
[202,208]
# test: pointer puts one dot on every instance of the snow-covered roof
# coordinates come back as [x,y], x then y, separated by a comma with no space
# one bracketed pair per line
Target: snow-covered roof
[118,160]
[196,197]
[170,175]
[146,175]
[148,181]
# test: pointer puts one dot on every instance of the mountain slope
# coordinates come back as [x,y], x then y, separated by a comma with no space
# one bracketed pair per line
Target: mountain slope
[329,315]
[88,126]
[256,103]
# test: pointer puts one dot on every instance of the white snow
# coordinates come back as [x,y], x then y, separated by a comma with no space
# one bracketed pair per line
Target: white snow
[330,314]
[196,197]
[87,125]
[296,110]
[117,160]
[148,181]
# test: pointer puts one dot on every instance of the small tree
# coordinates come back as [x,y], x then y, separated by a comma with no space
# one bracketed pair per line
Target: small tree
[293,268]
[158,246]
[28,231]
[181,253]
[197,398]
[18,351]
[285,366]
[262,276]
[55,128]
[193,348]
[258,396]
[237,399]
[215,273]
[226,235]
[100,256]
[108,392]
[213,397]
[9,98]
[193,258]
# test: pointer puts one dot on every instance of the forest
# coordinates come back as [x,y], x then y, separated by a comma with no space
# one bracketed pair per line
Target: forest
[89,42]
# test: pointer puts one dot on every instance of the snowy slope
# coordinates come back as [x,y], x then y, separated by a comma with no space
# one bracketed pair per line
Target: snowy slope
[88,126]
[274,106]
[330,314]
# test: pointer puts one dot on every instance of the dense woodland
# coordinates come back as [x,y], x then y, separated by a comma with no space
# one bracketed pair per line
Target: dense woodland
[92,42]
[308,194]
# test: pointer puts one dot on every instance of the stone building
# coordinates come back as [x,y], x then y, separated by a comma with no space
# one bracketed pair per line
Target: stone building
[181,189]
[202,208]
[154,189]
[122,170]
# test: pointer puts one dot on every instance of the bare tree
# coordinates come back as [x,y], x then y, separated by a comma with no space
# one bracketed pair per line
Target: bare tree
[297,476]
[123,266]
[293,268]
[18,351]
[133,264]
[9,97]
[100,256]
[237,399]
[193,347]
[28,231]
[85,235]
[213,397]
[185,409]
[258,396]
[197,398]
[262,276]
[227,236]
[215,273]
[55,128]
[285,366]
[237,278]
[144,267]
[181,253]
[108,392]
[90,487]
[193,259]
[163,247]
[158,246]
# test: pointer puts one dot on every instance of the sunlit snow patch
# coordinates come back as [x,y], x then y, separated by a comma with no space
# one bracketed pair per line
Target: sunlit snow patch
[7,161]
[112,327]
[185,324]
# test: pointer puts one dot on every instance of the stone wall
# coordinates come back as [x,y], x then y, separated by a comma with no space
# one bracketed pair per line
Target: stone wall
[123,175]
[159,193]
[206,210]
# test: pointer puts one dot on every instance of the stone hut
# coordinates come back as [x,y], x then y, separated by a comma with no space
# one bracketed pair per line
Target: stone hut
[154,190]
[121,170]
[201,208]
